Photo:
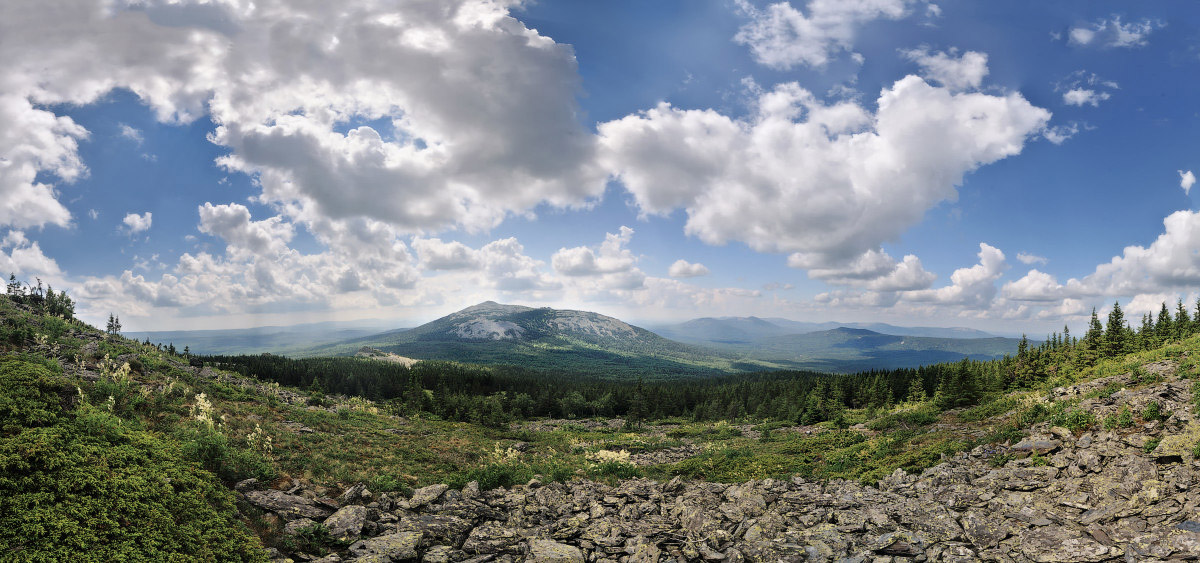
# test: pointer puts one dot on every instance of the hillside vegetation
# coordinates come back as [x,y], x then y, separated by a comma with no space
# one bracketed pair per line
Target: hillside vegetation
[113,449]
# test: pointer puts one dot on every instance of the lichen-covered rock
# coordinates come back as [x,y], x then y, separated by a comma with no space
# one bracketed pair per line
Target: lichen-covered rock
[347,523]
[550,551]
[426,495]
[1061,545]
[289,507]
[491,538]
[401,546]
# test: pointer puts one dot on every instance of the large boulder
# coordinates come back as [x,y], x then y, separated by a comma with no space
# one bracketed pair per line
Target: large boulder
[550,551]
[1054,544]
[289,507]
[426,495]
[401,546]
[347,523]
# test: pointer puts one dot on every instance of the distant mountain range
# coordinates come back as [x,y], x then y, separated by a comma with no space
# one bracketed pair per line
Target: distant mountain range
[548,339]
[739,330]
[589,343]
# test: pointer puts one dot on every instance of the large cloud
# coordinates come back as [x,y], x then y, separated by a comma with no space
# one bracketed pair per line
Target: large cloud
[424,115]
[830,181]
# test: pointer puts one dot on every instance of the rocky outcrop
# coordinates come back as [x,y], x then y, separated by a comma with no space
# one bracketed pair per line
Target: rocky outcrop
[1099,495]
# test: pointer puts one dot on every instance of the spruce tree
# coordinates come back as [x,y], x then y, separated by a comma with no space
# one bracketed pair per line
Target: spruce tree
[1182,322]
[1095,332]
[1164,329]
[1114,335]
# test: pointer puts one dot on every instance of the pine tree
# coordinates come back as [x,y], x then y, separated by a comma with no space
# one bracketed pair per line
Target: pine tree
[14,290]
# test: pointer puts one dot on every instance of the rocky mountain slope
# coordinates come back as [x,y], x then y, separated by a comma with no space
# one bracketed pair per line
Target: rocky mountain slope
[1126,493]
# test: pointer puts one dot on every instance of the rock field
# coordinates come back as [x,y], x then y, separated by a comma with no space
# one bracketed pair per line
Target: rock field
[1128,494]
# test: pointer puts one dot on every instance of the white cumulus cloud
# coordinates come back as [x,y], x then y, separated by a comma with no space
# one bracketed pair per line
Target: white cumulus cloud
[830,181]
[1084,96]
[973,287]
[948,68]
[1029,258]
[136,223]
[1186,181]
[611,265]
[684,269]
[875,270]
[472,116]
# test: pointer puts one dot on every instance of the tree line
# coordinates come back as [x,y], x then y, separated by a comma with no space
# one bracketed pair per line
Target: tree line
[43,300]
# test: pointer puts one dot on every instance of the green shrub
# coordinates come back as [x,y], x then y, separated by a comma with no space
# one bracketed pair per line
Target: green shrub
[915,418]
[1120,419]
[493,475]
[986,410]
[1151,445]
[614,470]
[31,395]
[1152,412]
[314,539]
[80,484]
[212,449]
[1075,419]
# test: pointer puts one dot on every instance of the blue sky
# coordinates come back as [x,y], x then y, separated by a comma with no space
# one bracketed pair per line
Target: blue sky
[1004,166]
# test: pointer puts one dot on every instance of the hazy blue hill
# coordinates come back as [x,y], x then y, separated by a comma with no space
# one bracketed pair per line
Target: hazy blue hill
[851,349]
[274,339]
[727,330]
[736,331]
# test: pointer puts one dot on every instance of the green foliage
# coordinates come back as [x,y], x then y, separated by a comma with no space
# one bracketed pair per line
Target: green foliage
[31,395]
[904,420]
[988,409]
[213,450]
[1106,391]
[1038,460]
[80,484]
[614,470]
[1151,445]
[1074,418]
[493,475]
[1152,412]
[1000,460]
[1123,418]
[314,539]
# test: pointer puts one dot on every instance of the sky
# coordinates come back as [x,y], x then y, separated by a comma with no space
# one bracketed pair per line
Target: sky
[203,164]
